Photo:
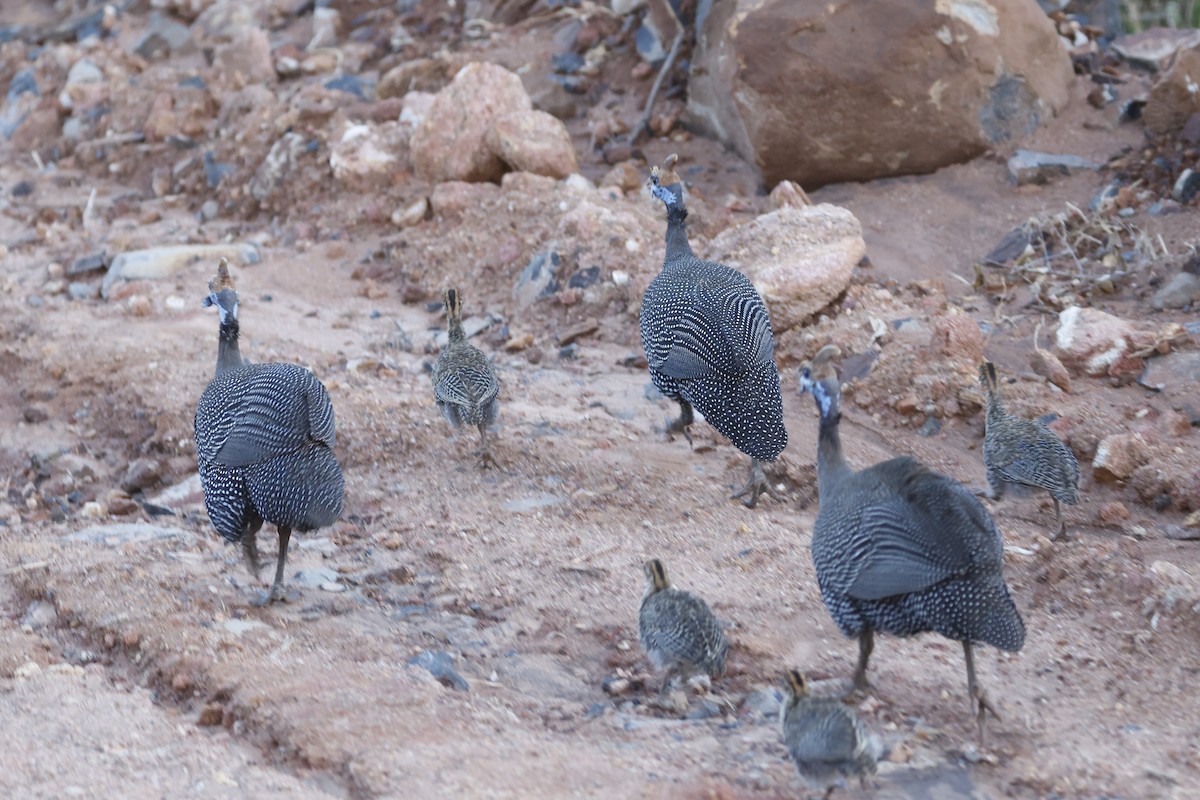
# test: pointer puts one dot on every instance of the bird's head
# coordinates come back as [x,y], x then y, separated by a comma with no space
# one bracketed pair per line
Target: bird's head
[656,576]
[819,378]
[665,184]
[222,293]
[453,302]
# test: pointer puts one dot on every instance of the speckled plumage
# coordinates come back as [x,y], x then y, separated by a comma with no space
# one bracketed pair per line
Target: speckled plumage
[708,343]
[825,739]
[1026,452]
[264,438]
[464,381]
[901,549]
[678,631]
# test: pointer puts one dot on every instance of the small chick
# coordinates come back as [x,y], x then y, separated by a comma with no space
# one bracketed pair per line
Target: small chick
[678,631]
[824,737]
[1017,450]
[464,382]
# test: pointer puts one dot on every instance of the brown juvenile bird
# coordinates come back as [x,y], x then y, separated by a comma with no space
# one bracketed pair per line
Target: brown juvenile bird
[464,382]
[826,739]
[264,445]
[1026,452]
[678,631]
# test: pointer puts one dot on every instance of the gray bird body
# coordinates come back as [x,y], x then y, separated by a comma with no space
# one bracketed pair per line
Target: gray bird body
[678,631]
[264,445]
[707,338]
[464,382]
[826,740]
[902,549]
[1025,452]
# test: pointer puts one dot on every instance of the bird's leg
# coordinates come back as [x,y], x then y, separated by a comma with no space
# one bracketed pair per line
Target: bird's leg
[756,485]
[995,488]
[976,694]
[1060,525]
[278,592]
[485,449]
[866,643]
[250,550]
[682,424]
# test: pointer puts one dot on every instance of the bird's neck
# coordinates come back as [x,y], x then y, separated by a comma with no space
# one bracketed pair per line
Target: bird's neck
[228,356]
[831,466]
[677,237]
[454,328]
[995,408]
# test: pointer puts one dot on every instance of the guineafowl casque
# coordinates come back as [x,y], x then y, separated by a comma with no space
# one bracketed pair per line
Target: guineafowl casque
[1023,451]
[264,445]
[708,344]
[825,739]
[464,382]
[678,631]
[901,549]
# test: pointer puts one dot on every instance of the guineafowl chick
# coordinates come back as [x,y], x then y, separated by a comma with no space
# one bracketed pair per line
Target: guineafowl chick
[464,382]
[901,549]
[708,343]
[826,739]
[678,631]
[1024,451]
[264,445]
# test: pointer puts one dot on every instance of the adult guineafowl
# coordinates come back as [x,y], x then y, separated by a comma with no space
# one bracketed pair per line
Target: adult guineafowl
[708,343]
[264,445]
[1025,452]
[901,549]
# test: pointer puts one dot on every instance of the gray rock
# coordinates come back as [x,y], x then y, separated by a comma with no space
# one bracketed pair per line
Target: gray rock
[1030,166]
[277,164]
[164,37]
[163,262]
[40,614]
[79,290]
[1182,290]
[315,578]
[21,98]
[209,211]
[705,709]
[766,700]
[88,263]
[538,279]
[441,666]
[119,534]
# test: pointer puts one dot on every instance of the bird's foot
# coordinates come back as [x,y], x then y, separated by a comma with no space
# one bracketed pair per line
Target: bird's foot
[278,593]
[680,426]
[984,707]
[984,492]
[1060,534]
[755,486]
[485,459]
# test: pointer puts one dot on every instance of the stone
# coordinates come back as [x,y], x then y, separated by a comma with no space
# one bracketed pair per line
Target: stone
[40,614]
[1030,166]
[787,194]
[364,157]
[625,176]
[157,263]
[441,666]
[164,37]
[799,259]
[538,279]
[85,87]
[455,197]
[1112,513]
[315,578]
[805,89]
[412,214]
[326,24]
[533,141]
[766,700]
[1173,98]
[1182,290]
[424,75]
[19,102]
[279,162]
[957,336]
[1118,455]
[141,474]
[1155,49]
[577,332]
[1096,342]
[211,716]
[1047,365]
[87,263]
[246,59]
[450,144]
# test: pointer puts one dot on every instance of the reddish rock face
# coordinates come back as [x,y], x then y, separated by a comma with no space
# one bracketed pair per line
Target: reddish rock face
[819,92]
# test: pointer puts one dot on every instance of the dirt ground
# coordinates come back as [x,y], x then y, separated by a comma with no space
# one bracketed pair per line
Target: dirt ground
[132,663]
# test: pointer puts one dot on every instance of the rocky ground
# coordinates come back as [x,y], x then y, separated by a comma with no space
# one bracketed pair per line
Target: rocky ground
[466,633]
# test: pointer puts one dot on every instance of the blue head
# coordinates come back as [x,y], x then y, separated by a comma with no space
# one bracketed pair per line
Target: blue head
[665,184]
[819,378]
[222,294]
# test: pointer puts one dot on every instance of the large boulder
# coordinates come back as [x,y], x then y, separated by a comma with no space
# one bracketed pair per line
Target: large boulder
[451,142]
[820,92]
[534,141]
[799,259]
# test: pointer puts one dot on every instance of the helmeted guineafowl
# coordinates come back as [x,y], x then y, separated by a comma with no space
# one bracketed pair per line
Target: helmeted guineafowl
[901,549]
[708,343]
[464,382]
[678,631]
[825,739]
[264,445]
[1023,451]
